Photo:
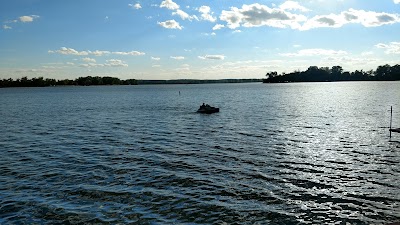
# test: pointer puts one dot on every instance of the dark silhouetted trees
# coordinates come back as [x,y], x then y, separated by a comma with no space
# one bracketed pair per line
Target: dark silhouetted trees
[82,81]
[336,73]
[88,81]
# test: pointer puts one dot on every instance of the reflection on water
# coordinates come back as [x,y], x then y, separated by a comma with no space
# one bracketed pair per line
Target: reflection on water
[312,153]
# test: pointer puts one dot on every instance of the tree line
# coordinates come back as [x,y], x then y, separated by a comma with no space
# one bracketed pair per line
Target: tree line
[336,73]
[81,81]
[88,81]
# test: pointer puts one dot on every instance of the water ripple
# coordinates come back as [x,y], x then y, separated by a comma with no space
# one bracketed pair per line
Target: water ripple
[274,155]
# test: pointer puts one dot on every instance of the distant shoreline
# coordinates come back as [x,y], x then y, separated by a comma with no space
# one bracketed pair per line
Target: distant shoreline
[194,81]
[17,83]
[107,81]
[312,74]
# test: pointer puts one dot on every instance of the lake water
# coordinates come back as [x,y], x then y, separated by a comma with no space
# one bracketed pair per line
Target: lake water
[304,153]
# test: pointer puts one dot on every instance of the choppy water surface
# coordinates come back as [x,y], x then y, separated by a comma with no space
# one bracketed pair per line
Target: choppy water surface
[308,153]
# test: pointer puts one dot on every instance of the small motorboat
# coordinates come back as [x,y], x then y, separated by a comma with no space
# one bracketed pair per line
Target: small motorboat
[207,109]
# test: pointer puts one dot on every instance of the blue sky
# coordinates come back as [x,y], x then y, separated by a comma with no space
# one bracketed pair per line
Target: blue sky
[194,39]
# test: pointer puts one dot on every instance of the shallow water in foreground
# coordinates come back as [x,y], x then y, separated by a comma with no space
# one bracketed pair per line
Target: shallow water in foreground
[306,153]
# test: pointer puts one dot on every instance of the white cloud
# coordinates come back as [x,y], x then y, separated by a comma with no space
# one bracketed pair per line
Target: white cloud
[236,31]
[213,57]
[391,48]
[170,24]
[5,27]
[365,18]
[156,58]
[256,15]
[89,60]
[206,14]
[315,52]
[396,1]
[292,5]
[135,6]
[218,26]
[169,4]
[178,57]
[28,19]
[156,66]
[184,15]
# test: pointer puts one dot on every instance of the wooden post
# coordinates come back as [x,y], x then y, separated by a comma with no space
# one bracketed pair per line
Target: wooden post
[390,128]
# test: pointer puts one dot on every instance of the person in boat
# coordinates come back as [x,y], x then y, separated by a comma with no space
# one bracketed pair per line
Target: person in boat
[203,106]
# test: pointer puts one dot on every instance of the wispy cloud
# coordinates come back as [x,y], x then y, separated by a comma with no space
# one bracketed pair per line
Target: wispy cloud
[68,51]
[89,65]
[178,57]
[212,57]
[218,26]
[367,53]
[98,53]
[116,63]
[156,58]
[209,34]
[184,16]
[21,19]
[109,63]
[391,48]
[71,51]
[315,52]
[135,6]
[11,21]
[89,60]
[133,53]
